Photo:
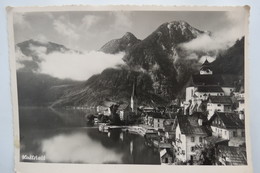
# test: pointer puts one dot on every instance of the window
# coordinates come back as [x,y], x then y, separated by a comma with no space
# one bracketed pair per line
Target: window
[192,139]
[192,149]
[219,104]
[183,152]
[200,139]
[158,120]
[234,133]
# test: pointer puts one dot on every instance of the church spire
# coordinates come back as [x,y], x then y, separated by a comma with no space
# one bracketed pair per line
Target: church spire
[133,99]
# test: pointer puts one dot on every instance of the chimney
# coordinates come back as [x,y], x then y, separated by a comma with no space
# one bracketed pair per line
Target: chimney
[241,115]
[200,121]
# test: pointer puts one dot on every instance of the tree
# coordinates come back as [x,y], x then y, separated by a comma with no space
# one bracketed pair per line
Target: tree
[90,119]
[115,119]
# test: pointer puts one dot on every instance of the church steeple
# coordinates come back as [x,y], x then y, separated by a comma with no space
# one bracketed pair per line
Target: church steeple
[205,68]
[133,99]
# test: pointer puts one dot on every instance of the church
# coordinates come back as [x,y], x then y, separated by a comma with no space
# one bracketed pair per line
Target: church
[204,85]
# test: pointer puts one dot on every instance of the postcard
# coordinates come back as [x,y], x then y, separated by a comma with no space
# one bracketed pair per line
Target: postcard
[130,88]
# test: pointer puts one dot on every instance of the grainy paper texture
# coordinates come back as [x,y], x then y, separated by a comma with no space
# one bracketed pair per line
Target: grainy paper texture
[130,88]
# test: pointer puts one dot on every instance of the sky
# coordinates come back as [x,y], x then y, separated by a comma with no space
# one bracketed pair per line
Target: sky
[88,31]
[85,30]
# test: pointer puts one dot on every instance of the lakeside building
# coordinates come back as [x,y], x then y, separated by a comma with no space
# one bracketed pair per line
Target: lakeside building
[230,127]
[190,136]
[104,108]
[166,156]
[159,120]
[123,111]
[170,129]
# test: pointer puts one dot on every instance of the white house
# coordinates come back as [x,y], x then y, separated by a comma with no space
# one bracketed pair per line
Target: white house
[218,104]
[190,136]
[228,126]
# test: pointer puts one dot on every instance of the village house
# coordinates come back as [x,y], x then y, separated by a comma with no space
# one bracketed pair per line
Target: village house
[218,104]
[147,109]
[166,156]
[104,108]
[123,111]
[170,129]
[158,121]
[241,102]
[190,136]
[149,118]
[228,126]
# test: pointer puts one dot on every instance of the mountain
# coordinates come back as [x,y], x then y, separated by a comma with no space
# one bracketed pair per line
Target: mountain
[29,53]
[158,55]
[35,89]
[151,61]
[232,60]
[120,45]
[111,84]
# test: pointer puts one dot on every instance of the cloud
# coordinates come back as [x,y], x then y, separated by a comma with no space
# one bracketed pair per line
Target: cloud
[78,66]
[206,43]
[221,39]
[64,27]
[19,19]
[79,148]
[88,21]
[122,21]
[20,58]
[41,38]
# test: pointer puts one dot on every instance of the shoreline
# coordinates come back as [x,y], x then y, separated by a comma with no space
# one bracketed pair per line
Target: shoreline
[136,129]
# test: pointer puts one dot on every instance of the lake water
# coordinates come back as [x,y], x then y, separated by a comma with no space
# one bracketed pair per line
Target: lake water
[61,136]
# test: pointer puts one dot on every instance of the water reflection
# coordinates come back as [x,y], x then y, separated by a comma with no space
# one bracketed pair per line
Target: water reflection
[62,136]
[78,148]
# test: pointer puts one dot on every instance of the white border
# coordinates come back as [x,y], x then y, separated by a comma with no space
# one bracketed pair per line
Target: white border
[53,167]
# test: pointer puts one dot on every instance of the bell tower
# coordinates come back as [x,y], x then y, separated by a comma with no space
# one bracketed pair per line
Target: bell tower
[205,68]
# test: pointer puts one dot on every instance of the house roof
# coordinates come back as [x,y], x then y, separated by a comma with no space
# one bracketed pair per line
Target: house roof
[207,79]
[215,140]
[189,125]
[220,99]
[232,155]
[108,103]
[209,88]
[123,106]
[230,120]
[170,125]
[154,114]
[163,152]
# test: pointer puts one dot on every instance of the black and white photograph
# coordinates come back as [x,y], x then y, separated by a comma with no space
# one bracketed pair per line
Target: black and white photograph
[132,87]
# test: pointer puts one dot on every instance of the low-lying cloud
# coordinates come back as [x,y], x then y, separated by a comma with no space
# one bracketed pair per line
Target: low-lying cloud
[77,66]
[68,64]
[206,43]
